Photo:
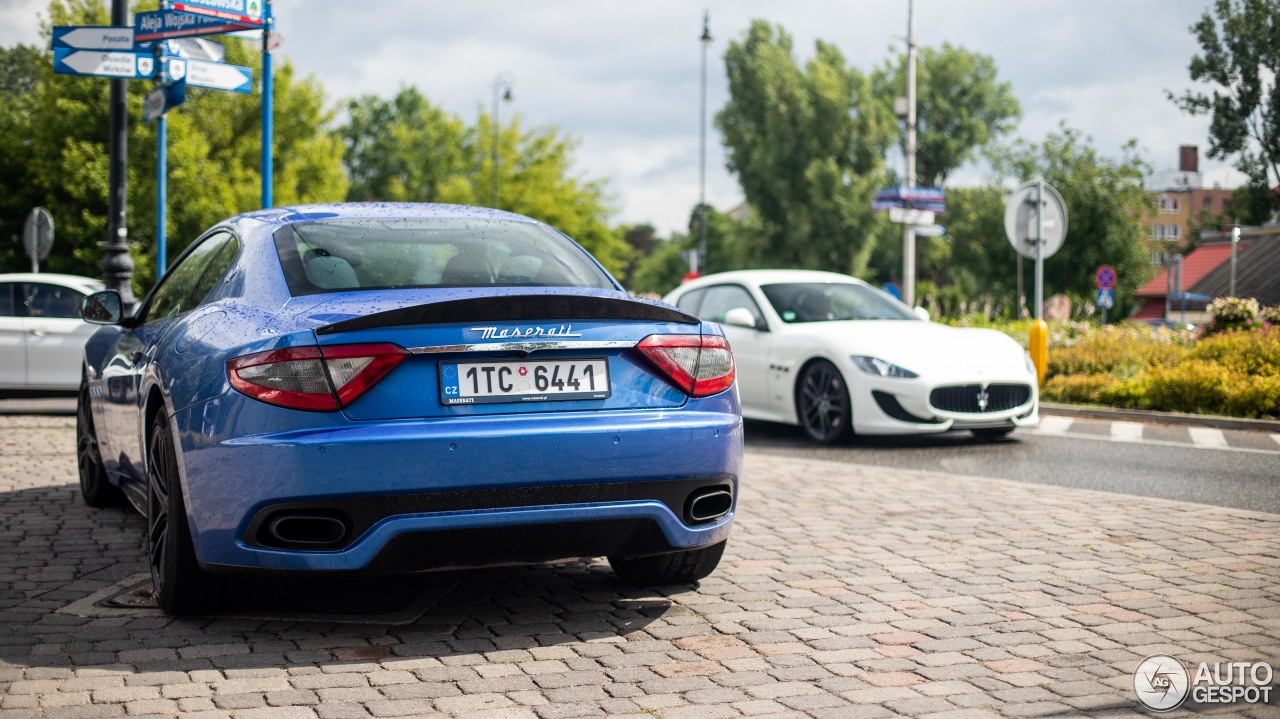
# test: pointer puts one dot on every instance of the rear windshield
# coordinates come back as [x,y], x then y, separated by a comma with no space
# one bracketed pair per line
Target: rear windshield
[346,255]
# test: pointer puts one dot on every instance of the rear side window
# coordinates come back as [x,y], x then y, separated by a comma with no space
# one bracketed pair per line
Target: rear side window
[347,255]
[46,300]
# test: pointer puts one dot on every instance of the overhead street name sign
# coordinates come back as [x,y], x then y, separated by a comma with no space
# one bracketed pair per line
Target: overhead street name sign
[247,12]
[87,37]
[166,24]
[932,199]
[127,65]
[212,75]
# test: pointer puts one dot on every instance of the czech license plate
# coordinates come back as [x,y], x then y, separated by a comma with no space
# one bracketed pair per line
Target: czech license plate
[524,381]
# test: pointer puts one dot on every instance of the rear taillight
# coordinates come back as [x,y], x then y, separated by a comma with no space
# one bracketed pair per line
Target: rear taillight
[700,365]
[320,379]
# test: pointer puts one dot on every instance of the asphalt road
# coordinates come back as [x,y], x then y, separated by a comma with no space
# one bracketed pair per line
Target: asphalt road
[1157,461]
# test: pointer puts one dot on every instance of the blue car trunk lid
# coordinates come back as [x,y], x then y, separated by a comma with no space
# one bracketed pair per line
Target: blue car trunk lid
[551,352]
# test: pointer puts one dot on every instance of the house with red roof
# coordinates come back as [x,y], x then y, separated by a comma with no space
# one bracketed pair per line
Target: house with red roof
[1205,274]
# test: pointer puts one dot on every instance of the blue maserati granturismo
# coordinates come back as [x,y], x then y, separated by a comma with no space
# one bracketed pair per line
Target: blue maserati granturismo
[375,388]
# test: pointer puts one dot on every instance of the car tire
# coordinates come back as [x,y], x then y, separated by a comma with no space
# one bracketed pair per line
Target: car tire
[180,585]
[992,432]
[822,403]
[674,568]
[95,488]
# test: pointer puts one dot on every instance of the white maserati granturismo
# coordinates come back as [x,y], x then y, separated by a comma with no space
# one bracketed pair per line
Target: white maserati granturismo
[837,357]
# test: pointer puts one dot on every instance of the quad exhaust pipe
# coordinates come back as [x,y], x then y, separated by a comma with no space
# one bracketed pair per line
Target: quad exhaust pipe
[708,504]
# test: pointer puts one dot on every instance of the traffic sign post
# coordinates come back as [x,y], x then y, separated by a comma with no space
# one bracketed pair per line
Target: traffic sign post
[37,236]
[1105,279]
[1035,221]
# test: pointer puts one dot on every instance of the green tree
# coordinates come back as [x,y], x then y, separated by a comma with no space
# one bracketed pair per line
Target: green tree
[1105,209]
[406,149]
[961,107]
[661,270]
[53,149]
[807,146]
[1239,60]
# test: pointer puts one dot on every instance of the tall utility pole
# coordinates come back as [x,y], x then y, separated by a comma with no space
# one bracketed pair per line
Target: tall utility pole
[702,149]
[117,266]
[502,85]
[909,230]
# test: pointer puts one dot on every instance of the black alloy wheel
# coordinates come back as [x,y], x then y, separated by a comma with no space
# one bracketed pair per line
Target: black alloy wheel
[179,584]
[822,401]
[94,486]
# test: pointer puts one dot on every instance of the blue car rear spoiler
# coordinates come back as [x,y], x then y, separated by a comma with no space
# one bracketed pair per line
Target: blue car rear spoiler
[515,308]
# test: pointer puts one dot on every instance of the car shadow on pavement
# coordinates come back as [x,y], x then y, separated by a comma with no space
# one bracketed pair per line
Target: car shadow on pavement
[74,594]
[772,435]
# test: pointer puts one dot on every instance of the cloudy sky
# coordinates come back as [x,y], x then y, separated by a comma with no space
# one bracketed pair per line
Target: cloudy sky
[623,78]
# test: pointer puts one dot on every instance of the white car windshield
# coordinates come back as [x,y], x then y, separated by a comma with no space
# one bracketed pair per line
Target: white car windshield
[833,301]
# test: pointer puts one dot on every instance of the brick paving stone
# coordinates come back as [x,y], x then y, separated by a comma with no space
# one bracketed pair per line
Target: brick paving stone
[846,592]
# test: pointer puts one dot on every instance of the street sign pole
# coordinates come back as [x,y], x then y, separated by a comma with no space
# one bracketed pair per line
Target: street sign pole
[1040,249]
[268,23]
[162,163]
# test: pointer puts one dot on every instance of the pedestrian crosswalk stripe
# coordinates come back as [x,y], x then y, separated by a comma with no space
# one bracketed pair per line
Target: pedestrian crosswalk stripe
[1207,437]
[1126,431]
[1058,425]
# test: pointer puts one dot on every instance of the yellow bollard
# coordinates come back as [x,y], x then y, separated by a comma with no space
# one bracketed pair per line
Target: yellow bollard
[1038,341]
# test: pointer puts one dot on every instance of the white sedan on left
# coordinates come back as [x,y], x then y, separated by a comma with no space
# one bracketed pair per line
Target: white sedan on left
[41,334]
[838,357]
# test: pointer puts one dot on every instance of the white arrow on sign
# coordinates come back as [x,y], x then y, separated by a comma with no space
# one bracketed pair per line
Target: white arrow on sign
[93,37]
[102,64]
[219,76]
[910,216]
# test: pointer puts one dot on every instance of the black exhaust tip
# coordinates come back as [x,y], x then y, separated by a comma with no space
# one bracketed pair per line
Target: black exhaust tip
[708,504]
[306,531]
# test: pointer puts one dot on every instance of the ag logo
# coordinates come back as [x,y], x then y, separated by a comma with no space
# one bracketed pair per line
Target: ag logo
[145,66]
[1161,683]
[253,8]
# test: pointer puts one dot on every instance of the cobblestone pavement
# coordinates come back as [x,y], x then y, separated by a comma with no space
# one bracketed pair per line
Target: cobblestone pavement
[847,591]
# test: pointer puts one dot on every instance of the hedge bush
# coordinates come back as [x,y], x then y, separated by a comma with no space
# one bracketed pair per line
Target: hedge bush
[1235,373]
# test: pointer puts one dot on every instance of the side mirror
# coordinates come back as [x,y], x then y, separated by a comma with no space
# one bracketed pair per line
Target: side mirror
[102,308]
[922,313]
[740,317]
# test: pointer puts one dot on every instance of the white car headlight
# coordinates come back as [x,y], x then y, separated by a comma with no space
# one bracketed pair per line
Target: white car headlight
[880,368]
[1031,366]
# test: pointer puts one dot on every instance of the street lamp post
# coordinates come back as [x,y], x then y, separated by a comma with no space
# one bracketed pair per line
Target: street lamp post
[117,266]
[502,85]
[702,149]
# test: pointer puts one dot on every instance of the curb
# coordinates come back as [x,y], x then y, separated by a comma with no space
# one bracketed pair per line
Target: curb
[1142,415]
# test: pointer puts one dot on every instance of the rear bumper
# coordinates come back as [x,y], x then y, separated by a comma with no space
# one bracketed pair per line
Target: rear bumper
[428,494]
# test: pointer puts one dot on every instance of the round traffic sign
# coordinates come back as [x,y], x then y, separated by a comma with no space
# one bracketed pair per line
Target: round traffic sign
[37,234]
[1024,225]
[1105,277]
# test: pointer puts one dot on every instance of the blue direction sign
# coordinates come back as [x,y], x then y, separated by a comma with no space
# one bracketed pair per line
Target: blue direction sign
[931,199]
[247,12]
[127,65]
[1106,299]
[91,37]
[213,75]
[166,24]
